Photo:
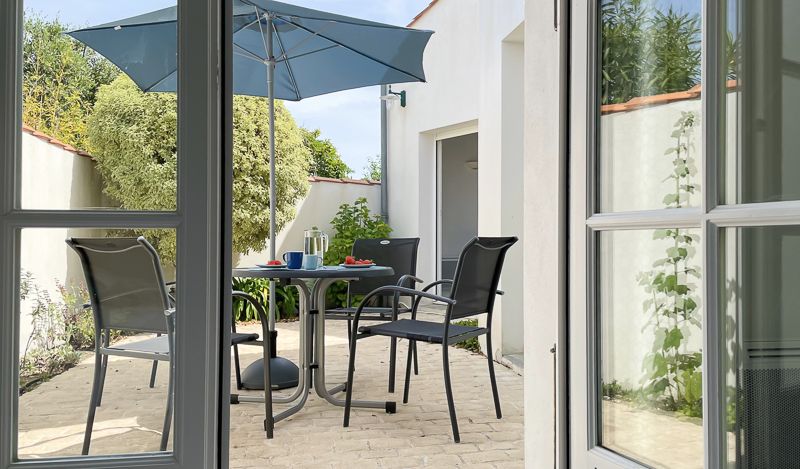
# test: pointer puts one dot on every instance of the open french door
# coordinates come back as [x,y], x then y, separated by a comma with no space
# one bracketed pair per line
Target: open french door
[29,226]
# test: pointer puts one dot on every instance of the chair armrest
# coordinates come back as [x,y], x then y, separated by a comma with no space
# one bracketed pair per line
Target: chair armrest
[405,292]
[438,282]
[417,294]
[415,306]
[262,314]
[408,278]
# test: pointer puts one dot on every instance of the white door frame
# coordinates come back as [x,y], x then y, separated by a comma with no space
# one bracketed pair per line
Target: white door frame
[198,221]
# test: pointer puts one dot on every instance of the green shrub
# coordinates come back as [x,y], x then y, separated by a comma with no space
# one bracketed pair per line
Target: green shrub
[351,222]
[287,299]
[473,345]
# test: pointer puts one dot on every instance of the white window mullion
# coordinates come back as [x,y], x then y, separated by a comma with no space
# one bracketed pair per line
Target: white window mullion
[650,219]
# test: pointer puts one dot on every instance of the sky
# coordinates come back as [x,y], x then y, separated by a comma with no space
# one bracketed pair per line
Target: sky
[350,119]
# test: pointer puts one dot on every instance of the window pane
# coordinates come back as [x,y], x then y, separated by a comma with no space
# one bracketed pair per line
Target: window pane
[91,138]
[650,335]
[760,271]
[649,126]
[57,338]
[762,163]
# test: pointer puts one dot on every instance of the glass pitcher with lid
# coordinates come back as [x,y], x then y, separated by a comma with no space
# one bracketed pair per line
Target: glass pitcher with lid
[315,244]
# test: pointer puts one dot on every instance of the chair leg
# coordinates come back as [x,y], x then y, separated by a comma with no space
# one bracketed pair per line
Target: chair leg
[153,372]
[449,390]
[392,363]
[491,375]
[98,370]
[349,331]
[416,363]
[412,345]
[104,367]
[349,391]
[106,341]
[168,413]
[237,367]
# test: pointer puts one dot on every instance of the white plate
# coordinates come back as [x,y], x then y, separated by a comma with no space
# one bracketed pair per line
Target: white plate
[272,267]
[357,266]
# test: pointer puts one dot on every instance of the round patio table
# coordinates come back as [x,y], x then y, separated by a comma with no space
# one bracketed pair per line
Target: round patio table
[312,285]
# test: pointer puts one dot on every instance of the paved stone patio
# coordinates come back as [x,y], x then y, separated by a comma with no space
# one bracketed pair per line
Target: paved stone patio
[52,417]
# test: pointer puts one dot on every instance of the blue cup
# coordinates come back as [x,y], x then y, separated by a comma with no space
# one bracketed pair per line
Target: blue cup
[293,259]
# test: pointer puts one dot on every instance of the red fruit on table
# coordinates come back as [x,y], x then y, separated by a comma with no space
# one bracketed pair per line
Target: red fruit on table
[350,260]
[274,263]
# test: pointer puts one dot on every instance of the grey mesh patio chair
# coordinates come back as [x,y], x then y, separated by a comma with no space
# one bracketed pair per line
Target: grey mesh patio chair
[401,255]
[473,292]
[127,292]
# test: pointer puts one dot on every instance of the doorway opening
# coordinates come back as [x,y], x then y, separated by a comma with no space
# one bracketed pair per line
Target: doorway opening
[457,174]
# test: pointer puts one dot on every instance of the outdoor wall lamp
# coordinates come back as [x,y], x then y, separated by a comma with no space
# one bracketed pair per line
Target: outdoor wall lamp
[394,96]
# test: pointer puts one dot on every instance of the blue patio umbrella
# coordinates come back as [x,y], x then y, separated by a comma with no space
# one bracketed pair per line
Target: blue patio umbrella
[282,51]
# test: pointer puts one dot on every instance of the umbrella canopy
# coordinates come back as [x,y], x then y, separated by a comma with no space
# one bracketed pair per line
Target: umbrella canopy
[281,51]
[315,52]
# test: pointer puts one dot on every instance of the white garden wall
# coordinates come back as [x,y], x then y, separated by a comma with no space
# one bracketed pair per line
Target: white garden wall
[317,209]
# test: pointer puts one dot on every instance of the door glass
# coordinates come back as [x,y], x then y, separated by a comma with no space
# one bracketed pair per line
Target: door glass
[91,138]
[649,104]
[761,163]
[58,333]
[760,268]
[650,346]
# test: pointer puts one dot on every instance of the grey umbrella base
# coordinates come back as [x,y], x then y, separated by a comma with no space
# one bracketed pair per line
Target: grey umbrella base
[283,374]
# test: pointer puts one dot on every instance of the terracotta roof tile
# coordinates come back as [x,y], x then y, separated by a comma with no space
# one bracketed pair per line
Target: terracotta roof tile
[54,141]
[640,102]
[422,13]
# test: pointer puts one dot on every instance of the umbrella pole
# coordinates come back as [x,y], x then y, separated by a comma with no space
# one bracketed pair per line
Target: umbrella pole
[272,194]
[283,373]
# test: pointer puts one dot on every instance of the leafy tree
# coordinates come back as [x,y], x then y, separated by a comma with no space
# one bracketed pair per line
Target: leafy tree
[647,50]
[60,81]
[132,136]
[373,168]
[325,159]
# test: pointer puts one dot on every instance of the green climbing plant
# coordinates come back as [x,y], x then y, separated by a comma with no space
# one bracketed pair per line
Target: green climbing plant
[672,374]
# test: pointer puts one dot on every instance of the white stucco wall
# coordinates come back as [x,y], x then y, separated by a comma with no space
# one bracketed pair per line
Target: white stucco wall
[317,209]
[545,234]
[476,49]
[53,178]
